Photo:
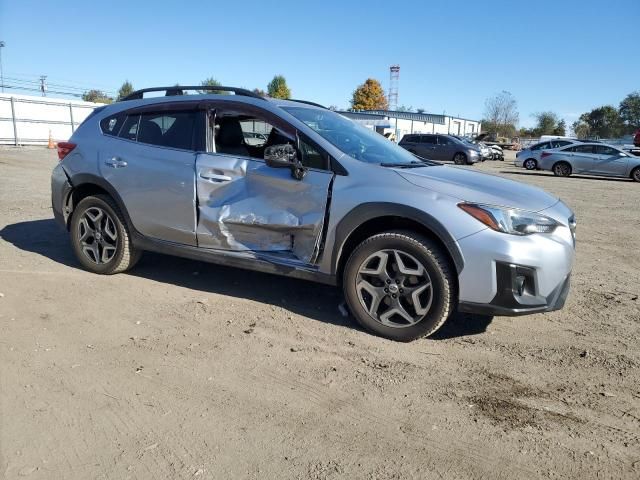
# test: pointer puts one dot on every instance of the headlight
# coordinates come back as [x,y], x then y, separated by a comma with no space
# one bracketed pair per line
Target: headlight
[510,220]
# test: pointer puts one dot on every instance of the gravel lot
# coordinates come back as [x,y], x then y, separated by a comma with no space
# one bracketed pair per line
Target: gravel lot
[181,369]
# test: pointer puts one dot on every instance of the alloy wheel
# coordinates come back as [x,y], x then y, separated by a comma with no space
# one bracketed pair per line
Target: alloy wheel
[530,164]
[562,170]
[394,288]
[98,235]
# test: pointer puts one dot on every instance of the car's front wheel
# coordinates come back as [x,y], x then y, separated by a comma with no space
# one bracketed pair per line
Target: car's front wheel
[399,285]
[460,159]
[100,237]
[636,174]
[530,164]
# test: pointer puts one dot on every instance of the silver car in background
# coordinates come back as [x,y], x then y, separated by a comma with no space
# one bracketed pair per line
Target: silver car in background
[591,159]
[529,157]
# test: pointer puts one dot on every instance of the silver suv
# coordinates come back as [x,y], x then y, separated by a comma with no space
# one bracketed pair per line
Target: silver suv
[318,198]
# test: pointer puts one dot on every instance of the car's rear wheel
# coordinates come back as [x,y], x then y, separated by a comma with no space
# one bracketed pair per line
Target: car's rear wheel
[635,174]
[399,285]
[460,159]
[562,169]
[530,164]
[100,237]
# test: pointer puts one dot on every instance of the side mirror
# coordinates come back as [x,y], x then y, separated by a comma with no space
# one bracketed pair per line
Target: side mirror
[284,156]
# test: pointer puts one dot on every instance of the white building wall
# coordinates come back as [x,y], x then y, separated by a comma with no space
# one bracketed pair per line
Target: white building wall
[31,118]
[452,125]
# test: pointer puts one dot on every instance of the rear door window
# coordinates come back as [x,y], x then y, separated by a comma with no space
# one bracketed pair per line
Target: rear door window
[541,146]
[130,128]
[168,129]
[559,143]
[429,139]
[583,149]
[442,140]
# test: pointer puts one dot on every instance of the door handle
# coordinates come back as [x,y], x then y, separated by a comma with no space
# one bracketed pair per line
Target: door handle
[115,162]
[215,178]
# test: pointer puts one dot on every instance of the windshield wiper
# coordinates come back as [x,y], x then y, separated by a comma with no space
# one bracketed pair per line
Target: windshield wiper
[413,164]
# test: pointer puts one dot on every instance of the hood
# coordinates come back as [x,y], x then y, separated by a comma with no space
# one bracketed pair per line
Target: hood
[479,187]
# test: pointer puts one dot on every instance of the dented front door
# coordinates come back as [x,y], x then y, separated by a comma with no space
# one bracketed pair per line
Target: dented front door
[244,205]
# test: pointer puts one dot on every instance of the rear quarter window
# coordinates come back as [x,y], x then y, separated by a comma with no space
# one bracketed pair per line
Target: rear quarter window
[111,125]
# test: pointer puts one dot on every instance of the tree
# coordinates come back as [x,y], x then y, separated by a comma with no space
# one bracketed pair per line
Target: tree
[369,96]
[96,96]
[546,123]
[278,88]
[603,122]
[501,114]
[581,129]
[561,129]
[125,89]
[630,112]
[210,82]
[260,92]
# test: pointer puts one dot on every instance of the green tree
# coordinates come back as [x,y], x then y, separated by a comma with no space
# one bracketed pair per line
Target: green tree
[259,91]
[96,96]
[561,128]
[369,96]
[501,114]
[125,89]
[210,82]
[278,88]
[603,122]
[630,112]
[581,129]
[546,123]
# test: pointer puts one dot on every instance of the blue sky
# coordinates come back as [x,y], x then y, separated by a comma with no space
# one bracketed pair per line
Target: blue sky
[566,56]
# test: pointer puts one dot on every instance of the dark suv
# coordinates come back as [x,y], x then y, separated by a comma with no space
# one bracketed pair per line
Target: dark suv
[441,147]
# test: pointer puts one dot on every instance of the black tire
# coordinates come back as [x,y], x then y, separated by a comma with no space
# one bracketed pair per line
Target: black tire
[635,174]
[460,159]
[561,169]
[438,271]
[124,255]
[530,164]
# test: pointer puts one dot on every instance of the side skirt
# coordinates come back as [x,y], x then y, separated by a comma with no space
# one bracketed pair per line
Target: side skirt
[266,263]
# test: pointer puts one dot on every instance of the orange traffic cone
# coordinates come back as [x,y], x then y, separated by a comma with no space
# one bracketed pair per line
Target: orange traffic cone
[51,144]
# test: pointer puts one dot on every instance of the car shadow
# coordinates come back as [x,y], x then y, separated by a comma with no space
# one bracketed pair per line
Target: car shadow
[313,300]
[584,177]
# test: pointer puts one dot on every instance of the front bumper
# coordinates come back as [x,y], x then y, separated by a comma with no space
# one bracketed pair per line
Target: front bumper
[517,275]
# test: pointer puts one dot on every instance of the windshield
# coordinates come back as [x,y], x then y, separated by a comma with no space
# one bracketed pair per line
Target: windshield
[355,140]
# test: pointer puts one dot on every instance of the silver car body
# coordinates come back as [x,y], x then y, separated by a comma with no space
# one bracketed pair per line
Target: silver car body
[533,152]
[592,159]
[236,210]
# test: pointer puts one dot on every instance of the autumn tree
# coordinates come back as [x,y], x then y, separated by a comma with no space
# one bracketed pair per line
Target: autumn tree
[369,96]
[125,90]
[278,88]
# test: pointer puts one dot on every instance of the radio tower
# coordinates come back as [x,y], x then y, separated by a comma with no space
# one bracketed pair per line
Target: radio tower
[394,78]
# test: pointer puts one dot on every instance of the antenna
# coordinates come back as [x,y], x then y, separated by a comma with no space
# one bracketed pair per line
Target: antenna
[394,79]
[43,85]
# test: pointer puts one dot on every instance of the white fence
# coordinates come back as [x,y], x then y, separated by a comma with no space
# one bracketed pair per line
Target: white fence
[28,120]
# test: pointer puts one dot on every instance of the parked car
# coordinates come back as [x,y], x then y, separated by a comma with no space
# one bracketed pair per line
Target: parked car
[591,159]
[324,199]
[529,157]
[441,147]
[636,139]
[498,153]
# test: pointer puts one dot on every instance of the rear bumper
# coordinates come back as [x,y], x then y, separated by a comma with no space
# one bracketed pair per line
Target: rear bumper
[60,190]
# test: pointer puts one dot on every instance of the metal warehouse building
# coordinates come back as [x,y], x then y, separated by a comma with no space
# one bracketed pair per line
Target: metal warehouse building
[402,123]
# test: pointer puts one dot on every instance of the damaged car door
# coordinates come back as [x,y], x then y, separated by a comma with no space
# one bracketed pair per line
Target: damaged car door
[243,203]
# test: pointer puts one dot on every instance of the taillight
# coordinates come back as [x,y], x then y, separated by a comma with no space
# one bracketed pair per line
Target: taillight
[64,148]
[545,154]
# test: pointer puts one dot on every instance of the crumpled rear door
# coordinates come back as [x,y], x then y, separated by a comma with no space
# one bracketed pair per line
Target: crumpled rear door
[244,205]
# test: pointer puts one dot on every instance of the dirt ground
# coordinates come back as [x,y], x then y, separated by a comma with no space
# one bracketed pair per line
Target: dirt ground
[181,369]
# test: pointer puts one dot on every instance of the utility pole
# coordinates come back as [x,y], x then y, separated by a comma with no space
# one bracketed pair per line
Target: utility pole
[2,44]
[43,85]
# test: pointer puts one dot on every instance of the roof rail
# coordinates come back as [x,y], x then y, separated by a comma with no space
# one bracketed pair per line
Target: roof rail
[179,90]
[308,103]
